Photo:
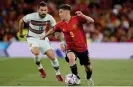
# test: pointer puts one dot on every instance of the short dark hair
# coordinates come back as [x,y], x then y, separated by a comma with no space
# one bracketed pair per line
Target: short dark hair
[42,3]
[65,7]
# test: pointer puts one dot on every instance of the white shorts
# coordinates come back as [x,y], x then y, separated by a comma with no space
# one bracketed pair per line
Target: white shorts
[43,45]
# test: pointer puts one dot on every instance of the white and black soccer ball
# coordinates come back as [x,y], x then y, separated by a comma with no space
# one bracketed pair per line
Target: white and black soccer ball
[70,79]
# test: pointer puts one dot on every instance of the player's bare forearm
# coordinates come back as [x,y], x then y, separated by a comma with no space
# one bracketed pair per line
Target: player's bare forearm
[50,32]
[21,26]
[89,19]
[62,44]
[59,36]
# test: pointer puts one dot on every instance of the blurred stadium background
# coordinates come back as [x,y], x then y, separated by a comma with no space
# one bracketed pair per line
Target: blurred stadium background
[110,42]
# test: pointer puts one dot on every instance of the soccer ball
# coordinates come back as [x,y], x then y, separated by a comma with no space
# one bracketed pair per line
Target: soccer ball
[70,79]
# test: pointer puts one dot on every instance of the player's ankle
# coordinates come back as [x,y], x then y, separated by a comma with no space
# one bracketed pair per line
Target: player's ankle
[38,63]
[58,72]
[88,74]
[74,69]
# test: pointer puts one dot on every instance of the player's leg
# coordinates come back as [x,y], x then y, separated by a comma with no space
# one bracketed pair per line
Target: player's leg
[88,69]
[54,61]
[47,49]
[35,51]
[84,60]
[71,59]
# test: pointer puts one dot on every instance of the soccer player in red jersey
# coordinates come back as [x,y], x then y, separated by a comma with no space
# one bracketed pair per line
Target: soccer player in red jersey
[74,35]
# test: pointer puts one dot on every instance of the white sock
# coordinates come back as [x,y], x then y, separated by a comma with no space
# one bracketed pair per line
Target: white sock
[37,59]
[91,82]
[55,63]
[40,66]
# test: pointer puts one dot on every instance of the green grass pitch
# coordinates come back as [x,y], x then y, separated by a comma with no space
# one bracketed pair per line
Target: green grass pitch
[23,72]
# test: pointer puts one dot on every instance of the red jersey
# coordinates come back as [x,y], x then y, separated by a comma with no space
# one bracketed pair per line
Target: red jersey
[74,34]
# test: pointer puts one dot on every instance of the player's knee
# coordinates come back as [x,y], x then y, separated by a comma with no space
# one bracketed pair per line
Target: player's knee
[50,53]
[71,58]
[35,51]
[52,58]
[72,61]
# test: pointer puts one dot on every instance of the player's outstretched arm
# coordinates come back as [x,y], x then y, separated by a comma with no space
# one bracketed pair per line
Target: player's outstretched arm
[21,26]
[60,37]
[89,19]
[50,32]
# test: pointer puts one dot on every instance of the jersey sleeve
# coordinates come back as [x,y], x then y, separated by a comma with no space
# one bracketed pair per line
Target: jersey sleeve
[27,18]
[57,27]
[81,19]
[52,21]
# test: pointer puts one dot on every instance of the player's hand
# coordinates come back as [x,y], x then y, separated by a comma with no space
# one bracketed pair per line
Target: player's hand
[79,13]
[22,36]
[42,37]
[62,46]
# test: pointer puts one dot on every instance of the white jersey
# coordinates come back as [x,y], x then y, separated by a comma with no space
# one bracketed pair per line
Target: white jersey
[38,25]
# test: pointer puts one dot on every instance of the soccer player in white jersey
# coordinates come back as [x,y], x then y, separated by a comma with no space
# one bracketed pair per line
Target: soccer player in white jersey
[38,23]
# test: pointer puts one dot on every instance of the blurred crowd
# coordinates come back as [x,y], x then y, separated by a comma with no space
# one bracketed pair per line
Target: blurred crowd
[113,18]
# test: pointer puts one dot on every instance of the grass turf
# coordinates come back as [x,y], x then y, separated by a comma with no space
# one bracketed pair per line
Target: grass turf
[23,72]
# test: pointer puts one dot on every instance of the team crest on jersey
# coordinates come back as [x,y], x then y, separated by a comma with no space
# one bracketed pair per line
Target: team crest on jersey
[74,26]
